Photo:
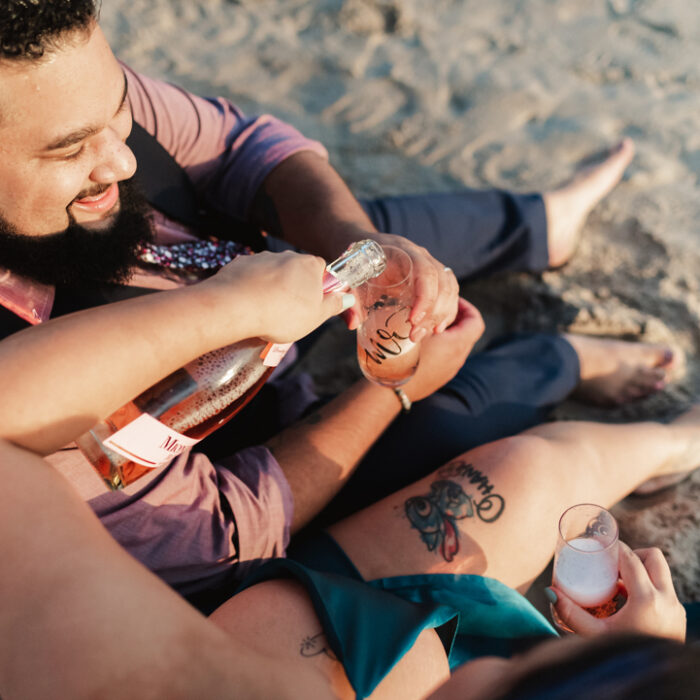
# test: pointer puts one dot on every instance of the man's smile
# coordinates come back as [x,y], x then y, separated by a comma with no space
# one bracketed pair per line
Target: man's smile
[99,203]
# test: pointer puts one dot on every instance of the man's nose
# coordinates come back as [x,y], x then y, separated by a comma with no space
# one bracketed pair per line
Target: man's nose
[116,162]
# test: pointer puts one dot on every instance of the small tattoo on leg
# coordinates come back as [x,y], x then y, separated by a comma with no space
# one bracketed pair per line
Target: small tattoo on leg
[316,645]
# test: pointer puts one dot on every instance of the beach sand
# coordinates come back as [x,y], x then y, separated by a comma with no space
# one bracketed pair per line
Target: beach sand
[412,96]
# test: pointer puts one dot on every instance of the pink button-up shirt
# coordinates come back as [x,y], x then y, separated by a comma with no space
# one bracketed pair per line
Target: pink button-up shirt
[173,521]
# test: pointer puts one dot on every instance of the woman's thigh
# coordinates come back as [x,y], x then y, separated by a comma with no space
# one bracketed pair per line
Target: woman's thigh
[278,623]
[492,512]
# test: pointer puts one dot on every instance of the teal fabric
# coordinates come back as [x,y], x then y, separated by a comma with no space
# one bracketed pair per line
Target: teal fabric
[367,628]
[494,620]
[370,625]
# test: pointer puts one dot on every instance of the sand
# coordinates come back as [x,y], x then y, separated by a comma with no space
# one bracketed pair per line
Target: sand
[411,95]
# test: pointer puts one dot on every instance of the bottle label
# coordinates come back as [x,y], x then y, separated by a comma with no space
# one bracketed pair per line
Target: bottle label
[273,353]
[148,442]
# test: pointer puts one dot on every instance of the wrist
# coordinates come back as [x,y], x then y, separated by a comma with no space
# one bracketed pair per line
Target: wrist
[387,397]
[225,311]
[405,402]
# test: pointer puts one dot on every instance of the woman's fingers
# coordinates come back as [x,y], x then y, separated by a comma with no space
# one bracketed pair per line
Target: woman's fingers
[445,309]
[657,567]
[575,617]
[632,572]
[467,322]
[426,291]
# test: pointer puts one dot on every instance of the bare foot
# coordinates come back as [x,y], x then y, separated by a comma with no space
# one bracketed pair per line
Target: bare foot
[567,207]
[616,371]
[677,469]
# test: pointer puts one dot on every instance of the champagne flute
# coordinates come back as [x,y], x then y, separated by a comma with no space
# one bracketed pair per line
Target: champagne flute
[385,353]
[586,561]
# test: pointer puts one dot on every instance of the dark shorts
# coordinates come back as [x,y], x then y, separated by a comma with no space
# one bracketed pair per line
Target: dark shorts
[369,625]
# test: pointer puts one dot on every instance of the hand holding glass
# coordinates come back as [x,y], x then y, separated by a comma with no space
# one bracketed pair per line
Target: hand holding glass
[586,560]
[386,354]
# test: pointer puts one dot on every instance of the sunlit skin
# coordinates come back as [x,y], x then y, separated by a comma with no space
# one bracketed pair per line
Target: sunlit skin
[64,121]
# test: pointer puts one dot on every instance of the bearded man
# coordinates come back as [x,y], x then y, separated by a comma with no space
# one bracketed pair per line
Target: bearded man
[110,184]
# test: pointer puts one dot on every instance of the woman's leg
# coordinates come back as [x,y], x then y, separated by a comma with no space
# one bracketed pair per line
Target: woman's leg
[278,622]
[494,510]
[80,618]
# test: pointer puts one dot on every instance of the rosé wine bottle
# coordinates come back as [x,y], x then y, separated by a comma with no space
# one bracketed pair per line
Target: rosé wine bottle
[192,402]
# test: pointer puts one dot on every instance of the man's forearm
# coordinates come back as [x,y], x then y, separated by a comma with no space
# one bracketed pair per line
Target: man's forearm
[59,378]
[305,202]
[320,454]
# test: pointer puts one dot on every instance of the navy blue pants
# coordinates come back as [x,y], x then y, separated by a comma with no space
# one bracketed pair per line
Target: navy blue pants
[506,388]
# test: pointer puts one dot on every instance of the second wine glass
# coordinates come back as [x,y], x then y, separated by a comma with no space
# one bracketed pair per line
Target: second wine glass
[586,561]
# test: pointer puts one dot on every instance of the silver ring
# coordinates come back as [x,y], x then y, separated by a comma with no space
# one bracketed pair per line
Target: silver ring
[447,269]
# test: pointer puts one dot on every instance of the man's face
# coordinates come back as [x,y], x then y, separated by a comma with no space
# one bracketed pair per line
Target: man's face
[63,124]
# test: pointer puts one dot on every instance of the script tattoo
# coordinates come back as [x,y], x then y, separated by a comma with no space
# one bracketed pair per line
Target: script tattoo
[490,507]
[435,515]
[316,645]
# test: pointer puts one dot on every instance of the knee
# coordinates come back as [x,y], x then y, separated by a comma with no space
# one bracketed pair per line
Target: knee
[526,453]
[524,469]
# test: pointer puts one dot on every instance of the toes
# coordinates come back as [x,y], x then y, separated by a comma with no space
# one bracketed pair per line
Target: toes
[653,378]
[625,147]
[645,383]
[654,355]
[666,357]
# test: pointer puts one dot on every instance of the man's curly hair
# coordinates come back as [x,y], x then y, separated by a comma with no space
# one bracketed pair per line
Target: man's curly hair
[30,28]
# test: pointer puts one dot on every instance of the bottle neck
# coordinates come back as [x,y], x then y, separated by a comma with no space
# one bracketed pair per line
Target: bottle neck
[331,283]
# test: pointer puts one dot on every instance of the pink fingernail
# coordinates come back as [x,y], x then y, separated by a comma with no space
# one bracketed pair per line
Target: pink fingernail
[418,317]
[348,301]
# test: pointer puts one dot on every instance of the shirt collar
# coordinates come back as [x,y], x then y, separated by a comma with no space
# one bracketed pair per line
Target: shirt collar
[33,301]
[25,297]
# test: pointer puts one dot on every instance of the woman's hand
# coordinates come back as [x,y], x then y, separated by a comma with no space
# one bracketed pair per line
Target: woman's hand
[442,356]
[436,289]
[283,292]
[652,606]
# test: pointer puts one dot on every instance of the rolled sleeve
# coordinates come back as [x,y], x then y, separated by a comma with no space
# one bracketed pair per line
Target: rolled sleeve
[226,154]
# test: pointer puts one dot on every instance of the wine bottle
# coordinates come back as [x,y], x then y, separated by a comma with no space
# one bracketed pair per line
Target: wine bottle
[192,402]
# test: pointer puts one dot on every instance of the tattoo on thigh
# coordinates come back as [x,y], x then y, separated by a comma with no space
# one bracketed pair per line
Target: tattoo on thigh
[435,515]
[315,646]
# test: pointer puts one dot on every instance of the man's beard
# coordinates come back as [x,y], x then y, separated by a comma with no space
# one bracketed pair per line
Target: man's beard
[78,256]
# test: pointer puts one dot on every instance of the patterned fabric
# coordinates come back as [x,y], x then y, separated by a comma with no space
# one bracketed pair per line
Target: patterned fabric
[192,256]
